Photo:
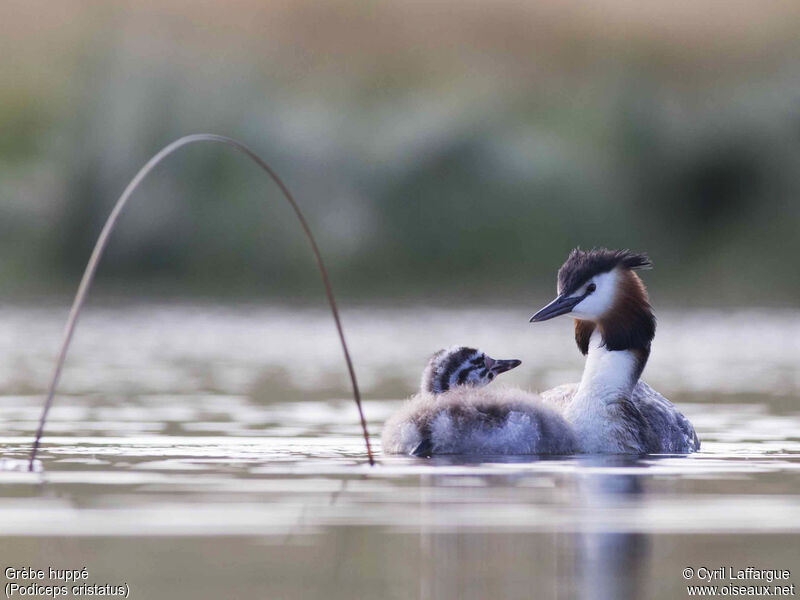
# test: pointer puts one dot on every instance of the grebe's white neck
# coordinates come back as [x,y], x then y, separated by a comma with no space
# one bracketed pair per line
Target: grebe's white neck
[601,412]
[608,375]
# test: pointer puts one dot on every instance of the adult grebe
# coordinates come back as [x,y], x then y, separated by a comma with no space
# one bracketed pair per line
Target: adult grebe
[455,414]
[610,410]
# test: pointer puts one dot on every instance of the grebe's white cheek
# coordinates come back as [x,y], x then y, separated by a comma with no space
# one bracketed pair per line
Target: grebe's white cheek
[596,304]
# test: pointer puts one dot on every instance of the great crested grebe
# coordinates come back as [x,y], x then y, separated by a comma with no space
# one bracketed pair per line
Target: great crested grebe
[610,410]
[455,413]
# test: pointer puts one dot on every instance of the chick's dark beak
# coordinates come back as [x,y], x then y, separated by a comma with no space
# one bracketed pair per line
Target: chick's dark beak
[501,366]
[560,306]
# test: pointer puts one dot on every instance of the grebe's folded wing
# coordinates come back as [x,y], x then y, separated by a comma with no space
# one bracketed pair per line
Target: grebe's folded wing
[674,431]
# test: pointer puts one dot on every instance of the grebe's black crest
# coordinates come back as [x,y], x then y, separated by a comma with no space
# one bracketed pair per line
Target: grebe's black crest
[582,265]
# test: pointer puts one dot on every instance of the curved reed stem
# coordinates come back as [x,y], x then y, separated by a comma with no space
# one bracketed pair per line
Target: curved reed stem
[102,241]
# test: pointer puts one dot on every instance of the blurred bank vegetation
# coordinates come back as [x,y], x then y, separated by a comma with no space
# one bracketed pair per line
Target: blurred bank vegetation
[440,149]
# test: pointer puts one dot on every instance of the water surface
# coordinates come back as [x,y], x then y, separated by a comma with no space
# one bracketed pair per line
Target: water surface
[202,452]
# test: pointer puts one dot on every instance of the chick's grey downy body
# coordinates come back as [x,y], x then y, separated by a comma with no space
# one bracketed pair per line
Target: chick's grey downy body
[455,413]
[485,421]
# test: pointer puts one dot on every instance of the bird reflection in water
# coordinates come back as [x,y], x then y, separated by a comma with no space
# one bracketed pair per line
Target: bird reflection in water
[610,556]
[588,552]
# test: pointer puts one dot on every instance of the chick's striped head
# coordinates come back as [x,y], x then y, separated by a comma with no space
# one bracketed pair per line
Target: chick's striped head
[460,365]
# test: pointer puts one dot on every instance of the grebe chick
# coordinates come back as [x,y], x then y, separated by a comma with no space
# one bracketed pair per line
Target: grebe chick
[610,409]
[460,365]
[455,413]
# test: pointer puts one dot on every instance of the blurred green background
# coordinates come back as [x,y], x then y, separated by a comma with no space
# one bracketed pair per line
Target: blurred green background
[443,149]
